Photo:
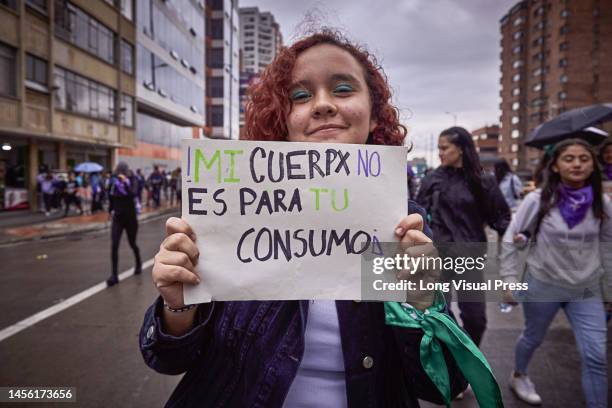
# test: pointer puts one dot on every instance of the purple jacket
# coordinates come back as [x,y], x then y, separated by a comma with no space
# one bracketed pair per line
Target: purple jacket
[246,354]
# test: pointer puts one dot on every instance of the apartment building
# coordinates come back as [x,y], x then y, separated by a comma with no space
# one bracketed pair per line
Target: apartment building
[260,41]
[170,81]
[67,89]
[222,69]
[486,140]
[555,55]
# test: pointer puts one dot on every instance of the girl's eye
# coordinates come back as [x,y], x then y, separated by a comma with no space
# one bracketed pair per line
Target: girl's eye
[342,88]
[300,94]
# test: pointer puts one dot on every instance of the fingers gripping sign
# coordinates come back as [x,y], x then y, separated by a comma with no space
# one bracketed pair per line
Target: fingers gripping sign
[418,247]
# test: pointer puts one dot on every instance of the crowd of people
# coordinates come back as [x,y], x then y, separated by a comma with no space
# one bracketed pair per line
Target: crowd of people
[89,193]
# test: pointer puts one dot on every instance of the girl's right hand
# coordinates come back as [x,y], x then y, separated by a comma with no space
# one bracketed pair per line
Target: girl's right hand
[175,262]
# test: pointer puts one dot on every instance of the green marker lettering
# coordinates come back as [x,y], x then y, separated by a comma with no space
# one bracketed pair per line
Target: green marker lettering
[346,202]
[317,191]
[231,178]
[200,156]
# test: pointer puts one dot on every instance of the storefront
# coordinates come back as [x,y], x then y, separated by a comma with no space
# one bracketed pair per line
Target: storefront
[13,174]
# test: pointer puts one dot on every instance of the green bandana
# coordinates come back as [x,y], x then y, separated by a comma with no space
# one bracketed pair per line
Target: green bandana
[439,327]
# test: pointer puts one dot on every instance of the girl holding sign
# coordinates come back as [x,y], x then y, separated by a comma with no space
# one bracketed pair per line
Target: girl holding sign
[301,353]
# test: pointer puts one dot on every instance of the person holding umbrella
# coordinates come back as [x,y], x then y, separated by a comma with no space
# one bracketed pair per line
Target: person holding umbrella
[122,210]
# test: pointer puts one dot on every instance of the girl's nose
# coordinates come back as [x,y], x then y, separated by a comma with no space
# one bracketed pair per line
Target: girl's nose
[323,106]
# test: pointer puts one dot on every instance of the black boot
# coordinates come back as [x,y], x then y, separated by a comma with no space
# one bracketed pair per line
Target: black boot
[138,267]
[112,281]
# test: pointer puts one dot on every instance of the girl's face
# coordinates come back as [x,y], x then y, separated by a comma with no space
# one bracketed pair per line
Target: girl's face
[450,154]
[330,100]
[574,165]
[607,154]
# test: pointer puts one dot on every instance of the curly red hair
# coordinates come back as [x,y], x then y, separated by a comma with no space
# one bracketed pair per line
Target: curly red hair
[269,103]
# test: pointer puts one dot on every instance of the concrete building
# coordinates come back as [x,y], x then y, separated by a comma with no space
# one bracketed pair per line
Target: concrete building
[260,41]
[486,140]
[170,81]
[67,87]
[222,69]
[555,55]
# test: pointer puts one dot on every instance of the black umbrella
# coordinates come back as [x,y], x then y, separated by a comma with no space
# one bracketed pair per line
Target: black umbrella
[572,124]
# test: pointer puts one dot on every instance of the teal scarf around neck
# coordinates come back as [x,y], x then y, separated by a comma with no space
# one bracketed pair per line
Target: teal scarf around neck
[438,328]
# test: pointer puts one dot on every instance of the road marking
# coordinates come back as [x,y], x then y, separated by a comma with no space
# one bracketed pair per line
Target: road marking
[64,304]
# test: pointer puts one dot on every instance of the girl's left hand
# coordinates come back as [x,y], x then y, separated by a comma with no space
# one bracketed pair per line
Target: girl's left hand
[416,243]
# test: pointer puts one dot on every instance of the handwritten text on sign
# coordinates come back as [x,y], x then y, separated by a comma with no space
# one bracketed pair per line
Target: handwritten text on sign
[278,220]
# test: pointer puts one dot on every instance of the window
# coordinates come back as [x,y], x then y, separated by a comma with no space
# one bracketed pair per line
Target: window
[539,56]
[539,11]
[564,13]
[216,28]
[514,148]
[519,21]
[216,115]
[563,46]
[538,87]
[516,77]
[12,4]
[515,106]
[127,57]
[39,5]
[563,79]
[517,49]
[78,94]
[538,102]
[516,91]
[539,26]
[515,162]
[127,9]
[215,57]
[515,120]
[36,70]
[517,64]
[515,133]
[75,26]
[215,87]
[516,35]
[538,41]
[563,62]
[127,110]
[8,73]
[538,72]
[564,29]
[562,95]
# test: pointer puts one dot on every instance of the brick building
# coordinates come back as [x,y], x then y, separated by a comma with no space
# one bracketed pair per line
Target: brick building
[555,55]
[486,140]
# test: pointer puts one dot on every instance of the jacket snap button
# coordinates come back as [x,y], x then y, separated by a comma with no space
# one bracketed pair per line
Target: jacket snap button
[368,362]
[150,332]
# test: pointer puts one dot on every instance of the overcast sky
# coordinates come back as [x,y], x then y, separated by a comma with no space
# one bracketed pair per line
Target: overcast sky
[440,55]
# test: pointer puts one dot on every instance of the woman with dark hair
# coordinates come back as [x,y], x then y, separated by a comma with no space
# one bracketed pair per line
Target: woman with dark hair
[295,353]
[605,157]
[509,183]
[122,209]
[569,222]
[460,200]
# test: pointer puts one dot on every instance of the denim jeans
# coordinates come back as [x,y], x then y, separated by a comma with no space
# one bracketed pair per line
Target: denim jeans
[588,321]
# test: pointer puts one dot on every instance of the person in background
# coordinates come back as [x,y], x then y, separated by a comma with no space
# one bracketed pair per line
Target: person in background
[509,183]
[97,189]
[460,200]
[605,157]
[47,188]
[156,182]
[178,186]
[173,183]
[122,210]
[140,180]
[71,194]
[568,267]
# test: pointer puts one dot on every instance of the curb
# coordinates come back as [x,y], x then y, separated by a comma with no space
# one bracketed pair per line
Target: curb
[82,229]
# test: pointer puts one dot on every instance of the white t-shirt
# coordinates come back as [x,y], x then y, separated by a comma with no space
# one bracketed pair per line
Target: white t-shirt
[320,381]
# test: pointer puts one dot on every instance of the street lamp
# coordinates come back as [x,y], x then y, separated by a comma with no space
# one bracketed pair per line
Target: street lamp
[454,117]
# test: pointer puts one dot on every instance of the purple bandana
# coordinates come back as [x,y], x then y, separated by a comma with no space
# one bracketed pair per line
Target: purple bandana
[574,203]
[121,187]
[608,170]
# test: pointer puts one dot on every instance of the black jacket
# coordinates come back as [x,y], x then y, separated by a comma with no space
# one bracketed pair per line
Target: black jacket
[454,213]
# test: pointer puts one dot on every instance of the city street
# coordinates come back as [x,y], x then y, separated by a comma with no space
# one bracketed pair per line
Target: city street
[93,345]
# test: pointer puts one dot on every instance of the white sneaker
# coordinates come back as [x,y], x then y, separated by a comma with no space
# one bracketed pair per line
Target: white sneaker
[524,389]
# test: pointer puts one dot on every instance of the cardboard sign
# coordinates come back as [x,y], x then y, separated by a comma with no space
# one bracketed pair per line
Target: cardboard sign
[284,221]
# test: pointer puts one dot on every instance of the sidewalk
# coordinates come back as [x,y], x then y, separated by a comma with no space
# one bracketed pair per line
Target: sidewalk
[55,226]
